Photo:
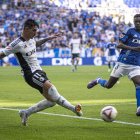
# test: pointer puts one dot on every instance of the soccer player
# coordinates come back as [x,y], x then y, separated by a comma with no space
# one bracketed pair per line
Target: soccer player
[75,45]
[128,62]
[111,53]
[24,49]
[5,62]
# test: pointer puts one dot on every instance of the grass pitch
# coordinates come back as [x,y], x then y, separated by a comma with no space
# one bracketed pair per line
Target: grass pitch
[58,123]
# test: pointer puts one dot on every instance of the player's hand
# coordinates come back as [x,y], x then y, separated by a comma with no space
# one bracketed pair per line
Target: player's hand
[54,36]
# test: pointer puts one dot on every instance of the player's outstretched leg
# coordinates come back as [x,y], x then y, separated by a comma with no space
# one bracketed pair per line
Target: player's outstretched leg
[24,114]
[60,100]
[24,117]
[138,100]
[93,83]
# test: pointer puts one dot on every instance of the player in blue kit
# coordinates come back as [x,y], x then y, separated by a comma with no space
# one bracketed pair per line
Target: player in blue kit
[128,62]
[111,53]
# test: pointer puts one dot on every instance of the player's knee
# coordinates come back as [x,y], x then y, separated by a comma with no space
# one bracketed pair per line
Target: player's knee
[52,104]
[53,93]
[46,102]
[47,85]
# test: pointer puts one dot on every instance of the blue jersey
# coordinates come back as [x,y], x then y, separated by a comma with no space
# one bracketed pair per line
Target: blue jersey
[130,37]
[111,48]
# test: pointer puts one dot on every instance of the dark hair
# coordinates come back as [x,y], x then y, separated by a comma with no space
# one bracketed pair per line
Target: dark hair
[30,23]
[137,15]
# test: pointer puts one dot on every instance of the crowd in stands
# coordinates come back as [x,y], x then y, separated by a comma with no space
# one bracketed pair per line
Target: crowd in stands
[94,30]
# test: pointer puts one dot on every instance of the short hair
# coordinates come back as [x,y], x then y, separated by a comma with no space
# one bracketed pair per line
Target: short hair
[30,23]
[137,15]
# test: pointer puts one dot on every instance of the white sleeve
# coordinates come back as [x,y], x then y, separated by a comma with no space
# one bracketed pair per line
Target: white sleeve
[11,48]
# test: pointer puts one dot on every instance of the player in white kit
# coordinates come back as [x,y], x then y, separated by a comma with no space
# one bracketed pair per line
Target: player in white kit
[75,45]
[24,49]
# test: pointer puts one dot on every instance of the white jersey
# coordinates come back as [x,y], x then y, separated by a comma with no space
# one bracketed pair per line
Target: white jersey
[25,52]
[75,43]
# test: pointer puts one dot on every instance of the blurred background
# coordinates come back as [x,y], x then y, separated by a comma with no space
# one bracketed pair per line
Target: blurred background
[96,22]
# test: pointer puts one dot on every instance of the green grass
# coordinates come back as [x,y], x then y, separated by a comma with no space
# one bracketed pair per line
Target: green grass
[16,94]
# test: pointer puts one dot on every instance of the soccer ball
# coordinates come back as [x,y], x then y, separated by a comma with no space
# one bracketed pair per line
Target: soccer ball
[109,113]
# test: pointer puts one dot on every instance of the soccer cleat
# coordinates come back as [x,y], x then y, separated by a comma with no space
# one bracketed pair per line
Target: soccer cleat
[92,83]
[138,111]
[78,110]
[24,117]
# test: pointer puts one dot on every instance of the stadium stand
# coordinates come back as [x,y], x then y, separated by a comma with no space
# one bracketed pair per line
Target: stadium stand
[132,3]
[95,29]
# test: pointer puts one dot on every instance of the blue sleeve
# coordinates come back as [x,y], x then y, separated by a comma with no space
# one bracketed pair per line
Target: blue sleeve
[125,35]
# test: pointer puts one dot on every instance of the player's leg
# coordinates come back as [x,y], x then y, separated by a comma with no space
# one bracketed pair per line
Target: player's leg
[50,92]
[104,83]
[136,81]
[109,66]
[134,75]
[44,104]
[72,63]
[77,62]
[40,81]
[114,77]
[36,81]
[109,63]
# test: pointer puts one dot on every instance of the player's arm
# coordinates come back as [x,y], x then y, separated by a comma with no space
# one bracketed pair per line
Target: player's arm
[123,38]
[2,55]
[123,46]
[42,41]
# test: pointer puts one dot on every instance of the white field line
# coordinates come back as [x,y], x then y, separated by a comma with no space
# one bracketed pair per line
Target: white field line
[69,116]
[109,104]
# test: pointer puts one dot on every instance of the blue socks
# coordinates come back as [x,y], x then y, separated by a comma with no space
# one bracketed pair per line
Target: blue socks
[102,82]
[138,95]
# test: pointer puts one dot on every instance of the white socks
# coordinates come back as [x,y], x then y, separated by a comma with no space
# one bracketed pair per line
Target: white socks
[56,97]
[40,106]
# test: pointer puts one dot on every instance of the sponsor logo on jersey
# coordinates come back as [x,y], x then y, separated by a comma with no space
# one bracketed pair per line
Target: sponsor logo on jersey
[136,41]
[31,52]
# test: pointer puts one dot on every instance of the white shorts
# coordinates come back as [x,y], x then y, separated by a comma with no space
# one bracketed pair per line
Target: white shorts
[121,69]
[5,59]
[112,58]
